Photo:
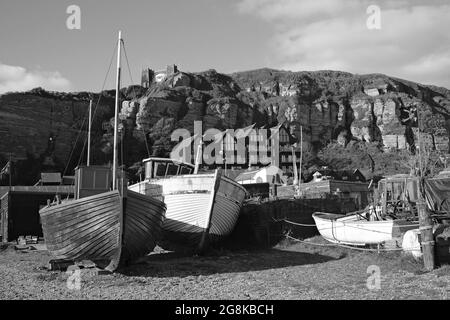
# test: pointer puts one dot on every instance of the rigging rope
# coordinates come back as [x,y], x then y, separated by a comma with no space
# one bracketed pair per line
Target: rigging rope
[135,95]
[347,246]
[97,104]
[347,225]
[74,146]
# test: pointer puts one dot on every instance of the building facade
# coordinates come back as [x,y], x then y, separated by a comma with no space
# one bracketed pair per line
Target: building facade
[261,147]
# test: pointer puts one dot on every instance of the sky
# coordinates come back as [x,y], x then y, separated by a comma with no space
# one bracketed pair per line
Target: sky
[411,41]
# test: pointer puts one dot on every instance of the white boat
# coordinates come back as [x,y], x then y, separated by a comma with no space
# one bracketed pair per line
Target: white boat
[201,208]
[355,229]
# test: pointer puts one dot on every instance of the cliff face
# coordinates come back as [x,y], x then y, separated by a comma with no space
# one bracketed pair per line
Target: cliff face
[342,106]
[328,106]
[44,127]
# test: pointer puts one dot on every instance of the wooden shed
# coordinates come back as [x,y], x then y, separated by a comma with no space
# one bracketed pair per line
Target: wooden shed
[19,209]
[358,191]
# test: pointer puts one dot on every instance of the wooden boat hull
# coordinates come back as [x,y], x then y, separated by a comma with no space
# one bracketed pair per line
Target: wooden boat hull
[193,207]
[354,230]
[103,227]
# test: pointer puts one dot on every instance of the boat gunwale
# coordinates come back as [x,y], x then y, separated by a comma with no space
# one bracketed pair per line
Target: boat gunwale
[47,210]
[198,175]
[325,216]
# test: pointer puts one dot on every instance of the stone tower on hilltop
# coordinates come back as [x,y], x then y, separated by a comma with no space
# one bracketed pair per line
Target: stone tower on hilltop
[149,76]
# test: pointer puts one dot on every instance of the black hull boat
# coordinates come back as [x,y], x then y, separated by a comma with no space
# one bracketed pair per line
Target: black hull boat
[103,228]
[104,223]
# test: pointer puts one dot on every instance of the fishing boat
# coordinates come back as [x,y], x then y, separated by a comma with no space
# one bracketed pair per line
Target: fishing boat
[109,226]
[201,208]
[357,230]
[392,214]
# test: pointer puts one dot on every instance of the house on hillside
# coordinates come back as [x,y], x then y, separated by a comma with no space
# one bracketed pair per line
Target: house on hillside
[376,90]
[343,175]
[276,146]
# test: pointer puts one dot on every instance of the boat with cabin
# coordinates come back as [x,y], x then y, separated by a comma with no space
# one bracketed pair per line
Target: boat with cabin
[202,208]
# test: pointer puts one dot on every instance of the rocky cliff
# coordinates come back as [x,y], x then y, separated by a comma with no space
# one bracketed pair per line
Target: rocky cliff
[343,106]
[329,105]
[47,130]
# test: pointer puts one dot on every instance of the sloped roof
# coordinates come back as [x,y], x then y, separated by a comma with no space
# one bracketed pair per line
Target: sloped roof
[248,175]
[338,175]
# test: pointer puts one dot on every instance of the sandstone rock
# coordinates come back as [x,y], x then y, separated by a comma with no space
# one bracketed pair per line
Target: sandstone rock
[28,119]
[328,105]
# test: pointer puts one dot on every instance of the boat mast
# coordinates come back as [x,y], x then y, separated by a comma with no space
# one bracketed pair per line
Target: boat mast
[116,113]
[301,161]
[294,166]
[89,135]
[198,157]
[425,221]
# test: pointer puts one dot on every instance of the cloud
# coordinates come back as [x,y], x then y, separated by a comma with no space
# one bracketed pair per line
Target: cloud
[413,42]
[15,78]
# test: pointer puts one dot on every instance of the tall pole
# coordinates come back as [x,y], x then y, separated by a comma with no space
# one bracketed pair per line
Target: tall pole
[225,162]
[89,135]
[301,160]
[10,171]
[425,222]
[198,157]
[116,114]
[294,166]
[224,150]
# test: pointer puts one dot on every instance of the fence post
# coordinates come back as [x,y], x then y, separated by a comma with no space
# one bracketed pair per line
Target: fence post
[426,230]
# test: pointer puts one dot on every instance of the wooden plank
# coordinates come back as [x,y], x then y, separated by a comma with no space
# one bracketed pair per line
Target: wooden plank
[5,218]
[86,235]
[59,265]
[217,181]
[81,220]
[143,220]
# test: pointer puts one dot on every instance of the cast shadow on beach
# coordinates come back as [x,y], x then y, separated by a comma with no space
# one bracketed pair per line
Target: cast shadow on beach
[174,264]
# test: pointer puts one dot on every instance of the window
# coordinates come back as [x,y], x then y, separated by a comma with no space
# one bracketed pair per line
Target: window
[172,169]
[185,170]
[160,169]
[283,136]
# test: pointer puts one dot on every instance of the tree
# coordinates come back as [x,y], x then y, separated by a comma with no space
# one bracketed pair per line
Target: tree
[427,162]
[367,156]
